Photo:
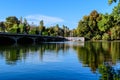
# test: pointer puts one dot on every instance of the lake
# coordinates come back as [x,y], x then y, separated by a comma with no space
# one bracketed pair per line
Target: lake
[61,61]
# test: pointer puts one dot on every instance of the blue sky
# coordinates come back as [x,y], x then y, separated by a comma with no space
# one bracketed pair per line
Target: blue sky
[67,12]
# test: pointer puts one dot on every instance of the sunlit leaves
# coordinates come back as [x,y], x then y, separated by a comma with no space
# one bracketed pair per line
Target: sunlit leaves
[106,36]
[102,24]
[111,1]
[10,21]
[115,32]
[88,27]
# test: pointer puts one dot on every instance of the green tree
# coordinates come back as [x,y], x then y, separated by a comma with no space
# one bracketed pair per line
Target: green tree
[74,33]
[105,23]
[63,27]
[21,26]
[88,26]
[115,33]
[51,31]
[116,10]
[41,27]
[2,27]
[41,23]
[82,28]
[10,21]
[14,28]
[94,17]
[37,31]
[56,30]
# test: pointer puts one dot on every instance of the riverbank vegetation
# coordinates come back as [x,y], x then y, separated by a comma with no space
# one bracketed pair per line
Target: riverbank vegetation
[95,26]
[15,25]
[98,26]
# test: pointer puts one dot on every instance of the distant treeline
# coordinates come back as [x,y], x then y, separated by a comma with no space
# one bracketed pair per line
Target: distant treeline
[14,25]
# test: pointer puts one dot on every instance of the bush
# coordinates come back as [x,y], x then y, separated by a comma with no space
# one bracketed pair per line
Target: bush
[97,37]
[105,36]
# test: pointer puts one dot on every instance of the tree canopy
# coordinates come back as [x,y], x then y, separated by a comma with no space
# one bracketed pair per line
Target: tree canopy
[97,26]
[112,1]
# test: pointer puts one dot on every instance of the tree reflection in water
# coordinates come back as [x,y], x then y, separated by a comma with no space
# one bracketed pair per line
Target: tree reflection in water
[95,54]
[12,54]
[108,72]
[99,56]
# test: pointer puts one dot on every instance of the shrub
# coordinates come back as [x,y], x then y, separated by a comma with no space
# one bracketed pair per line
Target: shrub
[105,36]
[97,37]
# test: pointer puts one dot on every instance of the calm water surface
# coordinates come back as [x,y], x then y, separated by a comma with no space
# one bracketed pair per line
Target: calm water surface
[61,61]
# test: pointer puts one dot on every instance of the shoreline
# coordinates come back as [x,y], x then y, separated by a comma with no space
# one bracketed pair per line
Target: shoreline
[103,41]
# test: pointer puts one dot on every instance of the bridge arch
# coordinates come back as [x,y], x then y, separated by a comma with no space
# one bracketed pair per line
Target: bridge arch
[6,40]
[25,40]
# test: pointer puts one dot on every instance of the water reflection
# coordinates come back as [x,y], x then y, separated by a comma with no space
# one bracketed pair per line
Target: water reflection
[108,72]
[96,53]
[12,54]
[101,56]
[98,56]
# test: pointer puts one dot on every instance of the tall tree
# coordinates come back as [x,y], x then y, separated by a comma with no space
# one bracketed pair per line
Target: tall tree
[56,30]
[116,10]
[41,27]
[63,27]
[10,21]
[41,23]
[51,31]
[88,26]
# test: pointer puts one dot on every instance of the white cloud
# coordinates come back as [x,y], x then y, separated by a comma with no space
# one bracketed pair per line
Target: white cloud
[47,19]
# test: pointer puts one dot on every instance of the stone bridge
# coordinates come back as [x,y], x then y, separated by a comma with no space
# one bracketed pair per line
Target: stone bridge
[7,38]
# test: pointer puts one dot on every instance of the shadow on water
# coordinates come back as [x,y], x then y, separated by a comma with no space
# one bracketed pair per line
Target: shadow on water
[6,41]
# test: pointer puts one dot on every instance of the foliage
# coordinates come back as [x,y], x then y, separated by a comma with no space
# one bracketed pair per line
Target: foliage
[105,36]
[13,29]
[10,21]
[88,26]
[97,37]
[21,26]
[108,72]
[111,1]
[115,33]
[41,27]
[96,54]
[105,23]
[107,26]
[2,27]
